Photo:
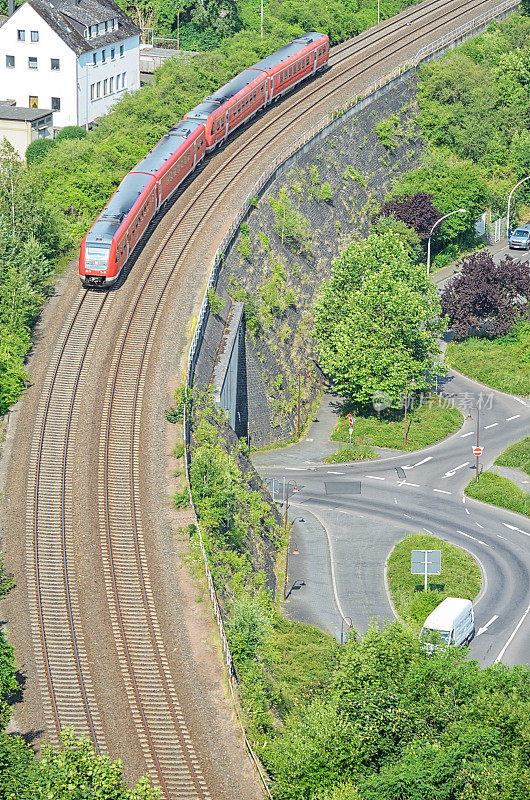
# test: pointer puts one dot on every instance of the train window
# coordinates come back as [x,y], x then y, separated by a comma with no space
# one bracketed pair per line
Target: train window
[213,128]
[290,71]
[262,89]
[281,77]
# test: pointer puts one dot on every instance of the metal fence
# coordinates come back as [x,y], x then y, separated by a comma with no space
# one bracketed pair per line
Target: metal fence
[456,36]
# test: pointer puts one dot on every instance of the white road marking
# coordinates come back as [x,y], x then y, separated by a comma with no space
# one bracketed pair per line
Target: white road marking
[395,500]
[406,483]
[523,403]
[463,435]
[493,424]
[428,531]
[297,469]
[374,477]
[513,528]
[479,525]
[466,510]
[451,472]
[423,461]
[407,516]
[468,536]
[463,498]
[330,472]
[441,491]
[486,626]
[501,537]
[515,416]
[508,643]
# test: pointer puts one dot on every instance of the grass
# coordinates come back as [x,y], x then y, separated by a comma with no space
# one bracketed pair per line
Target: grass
[460,577]
[499,491]
[503,364]
[352,452]
[429,422]
[517,455]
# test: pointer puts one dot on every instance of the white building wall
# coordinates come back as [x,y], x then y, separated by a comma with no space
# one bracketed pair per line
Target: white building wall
[109,74]
[19,83]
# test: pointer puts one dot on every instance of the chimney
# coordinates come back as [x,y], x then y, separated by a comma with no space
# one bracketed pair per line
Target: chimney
[11,7]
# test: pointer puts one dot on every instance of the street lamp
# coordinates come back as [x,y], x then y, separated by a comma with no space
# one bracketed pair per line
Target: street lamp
[470,416]
[509,202]
[458,211]
[412,386]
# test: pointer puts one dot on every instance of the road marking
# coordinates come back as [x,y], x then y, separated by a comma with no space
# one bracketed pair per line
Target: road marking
[428,531]
[501,537]
[468,536]
[374,477]
[451,472]
[513,528]
[463,498]
[515,416]
[463,435]
[508,643]
[486,626]
[520,401]
[407,516]
[419,463]
[297,469]
[395,500]
[479,525]
[406,483]
[493,424]
[466,510]
[441,491]
[330,472]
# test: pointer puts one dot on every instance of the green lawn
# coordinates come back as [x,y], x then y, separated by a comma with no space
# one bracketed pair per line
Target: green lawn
[460,577]
[517,455]
[501,363]
[356,451]
[499,491]
[426,424]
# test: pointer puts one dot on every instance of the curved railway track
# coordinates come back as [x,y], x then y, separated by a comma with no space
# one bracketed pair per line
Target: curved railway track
[62,662]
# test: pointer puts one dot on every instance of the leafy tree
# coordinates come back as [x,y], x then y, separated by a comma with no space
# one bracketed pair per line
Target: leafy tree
[71,132]
[38,149]
[525,7]
[221,15]
[486,296]
[416,211]
[409,237]
[377,320]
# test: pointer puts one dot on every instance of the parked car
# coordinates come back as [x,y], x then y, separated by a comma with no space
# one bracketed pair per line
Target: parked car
[452,623]
[520,238]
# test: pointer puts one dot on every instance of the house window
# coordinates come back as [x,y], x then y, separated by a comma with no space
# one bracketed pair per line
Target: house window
[106,26]
[10,62]
[34,36]
[33,101]
[112,53]
[103,55]
[111,85]
[92,88]
[32,62]
[98,89]
[117,83]
[105,87]
[94,58]
[56,103]
[123,80]
[55,63]
[21,36]
[122,49]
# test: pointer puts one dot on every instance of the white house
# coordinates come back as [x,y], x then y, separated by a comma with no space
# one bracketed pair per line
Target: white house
[75,57]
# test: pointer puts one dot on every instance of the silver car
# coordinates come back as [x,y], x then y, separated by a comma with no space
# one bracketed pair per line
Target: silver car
[520,238]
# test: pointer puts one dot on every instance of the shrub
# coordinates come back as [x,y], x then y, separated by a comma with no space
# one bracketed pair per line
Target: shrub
[71,132]
[38,150]
[215,301]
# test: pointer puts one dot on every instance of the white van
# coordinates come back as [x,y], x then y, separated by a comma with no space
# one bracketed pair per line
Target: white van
[453,621]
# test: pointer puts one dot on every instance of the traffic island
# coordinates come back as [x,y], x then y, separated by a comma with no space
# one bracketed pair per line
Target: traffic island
[460,577]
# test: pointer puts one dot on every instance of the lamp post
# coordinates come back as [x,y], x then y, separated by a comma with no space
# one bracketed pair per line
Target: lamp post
[261,24]
[296,552]
[349,622]
[458,211]
[509,203]
[412,385]
[477,408]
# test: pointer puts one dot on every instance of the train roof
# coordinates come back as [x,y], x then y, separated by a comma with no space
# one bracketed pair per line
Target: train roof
[234,86]
[288,50]
[121,203]
[201,112]
[164,149]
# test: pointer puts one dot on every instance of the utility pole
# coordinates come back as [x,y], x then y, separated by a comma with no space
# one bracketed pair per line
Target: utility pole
[261,26]
[412,386]
[478,443]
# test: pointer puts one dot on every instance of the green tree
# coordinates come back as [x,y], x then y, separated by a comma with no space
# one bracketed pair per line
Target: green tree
[377,320]
[38,149]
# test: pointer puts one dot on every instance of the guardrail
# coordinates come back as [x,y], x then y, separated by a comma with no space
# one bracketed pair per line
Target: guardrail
[470,28]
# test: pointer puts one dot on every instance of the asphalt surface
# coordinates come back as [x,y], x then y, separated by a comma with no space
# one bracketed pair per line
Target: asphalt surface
[347,518]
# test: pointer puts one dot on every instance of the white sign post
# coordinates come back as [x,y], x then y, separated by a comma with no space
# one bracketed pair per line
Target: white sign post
[351,421]
[426,562]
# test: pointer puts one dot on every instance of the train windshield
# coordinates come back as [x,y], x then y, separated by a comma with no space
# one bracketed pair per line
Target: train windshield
[97,254]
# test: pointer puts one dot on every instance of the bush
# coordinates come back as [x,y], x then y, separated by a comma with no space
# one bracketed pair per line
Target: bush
[38,150]
[71,132]
[215,301]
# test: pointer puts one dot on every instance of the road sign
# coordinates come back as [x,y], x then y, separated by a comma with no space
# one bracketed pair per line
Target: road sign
[426,562]
[351,420]
[477,451]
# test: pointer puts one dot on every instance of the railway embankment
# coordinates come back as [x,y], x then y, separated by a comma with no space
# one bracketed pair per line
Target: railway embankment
[284,251]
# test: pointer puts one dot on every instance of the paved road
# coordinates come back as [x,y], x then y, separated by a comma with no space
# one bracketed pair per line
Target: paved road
[347,518]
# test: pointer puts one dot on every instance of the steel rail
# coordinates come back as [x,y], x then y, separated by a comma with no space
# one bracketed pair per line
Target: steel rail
[39,581]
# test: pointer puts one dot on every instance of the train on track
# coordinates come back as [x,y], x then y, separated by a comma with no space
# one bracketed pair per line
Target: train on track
[110,242]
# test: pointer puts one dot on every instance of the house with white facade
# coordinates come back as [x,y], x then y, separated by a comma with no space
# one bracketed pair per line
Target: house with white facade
[75,57]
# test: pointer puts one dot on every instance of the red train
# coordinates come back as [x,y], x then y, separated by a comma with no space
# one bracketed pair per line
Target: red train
[108,245]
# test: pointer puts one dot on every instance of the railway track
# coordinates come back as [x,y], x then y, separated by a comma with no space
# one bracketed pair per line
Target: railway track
[61,653]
